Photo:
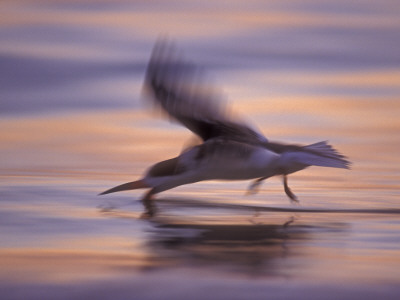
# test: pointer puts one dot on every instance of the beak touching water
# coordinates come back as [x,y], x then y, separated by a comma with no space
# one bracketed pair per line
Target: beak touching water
[139,184]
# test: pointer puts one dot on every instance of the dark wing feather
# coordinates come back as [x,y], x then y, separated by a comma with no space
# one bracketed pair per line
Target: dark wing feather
[179,89]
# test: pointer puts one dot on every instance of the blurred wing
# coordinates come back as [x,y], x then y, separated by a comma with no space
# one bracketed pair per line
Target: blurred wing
[178,87]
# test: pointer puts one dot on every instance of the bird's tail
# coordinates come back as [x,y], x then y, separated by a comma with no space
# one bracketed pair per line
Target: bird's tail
[319,154]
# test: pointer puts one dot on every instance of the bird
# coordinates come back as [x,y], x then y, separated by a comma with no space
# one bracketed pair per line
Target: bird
[230,149]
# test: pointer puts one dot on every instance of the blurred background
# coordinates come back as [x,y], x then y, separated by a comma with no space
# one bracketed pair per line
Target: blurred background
[74,123]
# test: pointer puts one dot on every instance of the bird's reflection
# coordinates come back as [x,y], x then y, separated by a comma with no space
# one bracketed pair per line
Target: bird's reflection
[257,244]
[242,248]
[234,238]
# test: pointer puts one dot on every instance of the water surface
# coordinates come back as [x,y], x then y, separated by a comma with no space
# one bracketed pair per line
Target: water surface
[74,123]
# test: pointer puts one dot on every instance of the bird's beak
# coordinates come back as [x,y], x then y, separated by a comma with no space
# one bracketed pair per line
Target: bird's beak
[139,184]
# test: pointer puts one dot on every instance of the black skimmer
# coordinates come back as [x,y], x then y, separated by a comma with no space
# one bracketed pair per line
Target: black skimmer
[230,149]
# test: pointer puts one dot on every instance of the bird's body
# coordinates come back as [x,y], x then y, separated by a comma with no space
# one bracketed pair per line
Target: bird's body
[219,159]
[231,150]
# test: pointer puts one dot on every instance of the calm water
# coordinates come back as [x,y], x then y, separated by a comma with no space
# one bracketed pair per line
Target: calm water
[73,123]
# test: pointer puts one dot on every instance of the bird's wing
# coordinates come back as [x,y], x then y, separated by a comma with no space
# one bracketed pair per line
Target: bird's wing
[178,87]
